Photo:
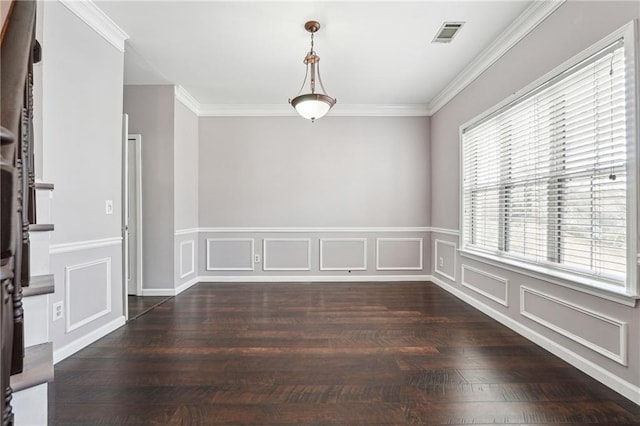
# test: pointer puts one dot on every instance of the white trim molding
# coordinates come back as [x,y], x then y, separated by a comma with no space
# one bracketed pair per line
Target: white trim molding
[420,267]
[537,12]
[620,357]
[182,95]
[618,384]
[233,268]
[265,256]
[186,231]
[84,245]
[67,282]
[186,285]
[505,282]
[445,231]
[158,292]
[287,230]
[340,110]
[306,279]
[84,341]
[171,291]
[436,264]
[623,299]
[192,243]
[379,110]
[345,268]
[98,21]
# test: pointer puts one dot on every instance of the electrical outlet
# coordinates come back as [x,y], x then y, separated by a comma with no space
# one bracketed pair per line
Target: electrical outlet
[108,206]
[440,261]
[256,258]
[58,310]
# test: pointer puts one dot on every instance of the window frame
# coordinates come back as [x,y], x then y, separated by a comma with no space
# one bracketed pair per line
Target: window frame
[587,283]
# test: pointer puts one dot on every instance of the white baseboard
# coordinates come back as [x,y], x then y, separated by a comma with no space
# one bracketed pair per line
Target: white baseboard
[623,387]
[308,278]
[170,291]
[87,339]
[187,285]
[158,292]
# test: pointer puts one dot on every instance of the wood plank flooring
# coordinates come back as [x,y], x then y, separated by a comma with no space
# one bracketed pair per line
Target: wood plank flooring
[339,353]
[140,305]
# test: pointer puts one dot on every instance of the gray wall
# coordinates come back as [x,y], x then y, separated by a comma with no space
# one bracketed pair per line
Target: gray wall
[368,176]
[151,114]
[185,167]
[542,310]
[82,121]
[81,116]
[340,171]
[186,194]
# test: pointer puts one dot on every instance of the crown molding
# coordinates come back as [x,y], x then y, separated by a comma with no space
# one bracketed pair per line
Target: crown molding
[245,110]
[364,110]
[284,110]
[537,12]
[95,18]
[187,99]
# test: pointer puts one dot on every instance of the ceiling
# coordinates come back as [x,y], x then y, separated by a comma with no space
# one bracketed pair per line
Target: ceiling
[250,53]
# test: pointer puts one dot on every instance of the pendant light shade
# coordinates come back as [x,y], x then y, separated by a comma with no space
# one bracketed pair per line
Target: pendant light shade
[312,105]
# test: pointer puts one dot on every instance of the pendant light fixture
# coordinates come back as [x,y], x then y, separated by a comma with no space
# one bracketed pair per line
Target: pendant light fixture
[312,105]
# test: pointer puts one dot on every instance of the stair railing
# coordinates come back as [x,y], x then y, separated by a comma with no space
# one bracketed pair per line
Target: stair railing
[18,50]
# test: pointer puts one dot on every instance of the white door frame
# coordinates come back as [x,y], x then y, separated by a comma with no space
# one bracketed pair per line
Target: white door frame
[137,140]
[124,218]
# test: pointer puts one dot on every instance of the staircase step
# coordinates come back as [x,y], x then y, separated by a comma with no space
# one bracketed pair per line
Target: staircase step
[38,367]
[40,227]
[39,284]
[43,186]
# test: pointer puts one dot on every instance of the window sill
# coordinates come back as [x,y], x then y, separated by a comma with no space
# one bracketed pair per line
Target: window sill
[561,278]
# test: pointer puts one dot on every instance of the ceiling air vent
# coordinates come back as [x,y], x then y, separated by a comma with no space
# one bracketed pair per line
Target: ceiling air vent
[447,31]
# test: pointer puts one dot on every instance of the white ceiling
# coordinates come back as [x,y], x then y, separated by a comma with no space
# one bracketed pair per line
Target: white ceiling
[250,53]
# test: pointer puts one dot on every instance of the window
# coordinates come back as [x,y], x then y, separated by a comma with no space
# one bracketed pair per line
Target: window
[548,177]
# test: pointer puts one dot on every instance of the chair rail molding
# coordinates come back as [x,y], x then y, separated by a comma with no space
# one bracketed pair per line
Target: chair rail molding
[276,230]
[84,245]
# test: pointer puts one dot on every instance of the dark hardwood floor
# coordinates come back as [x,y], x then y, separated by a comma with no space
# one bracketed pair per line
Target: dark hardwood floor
[140,305]
[344,353]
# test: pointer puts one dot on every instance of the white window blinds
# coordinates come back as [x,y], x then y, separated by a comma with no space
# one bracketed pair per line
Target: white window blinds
[545,177]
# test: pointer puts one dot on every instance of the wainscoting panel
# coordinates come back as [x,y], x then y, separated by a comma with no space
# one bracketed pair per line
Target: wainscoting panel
[602,334]
[230,254]
[488,285]
[445,259]
[187,258]
[399,254]
[88,292]
[286,254]
[343,254]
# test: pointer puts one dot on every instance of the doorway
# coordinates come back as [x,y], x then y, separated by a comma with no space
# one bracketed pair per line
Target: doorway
[132,215]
